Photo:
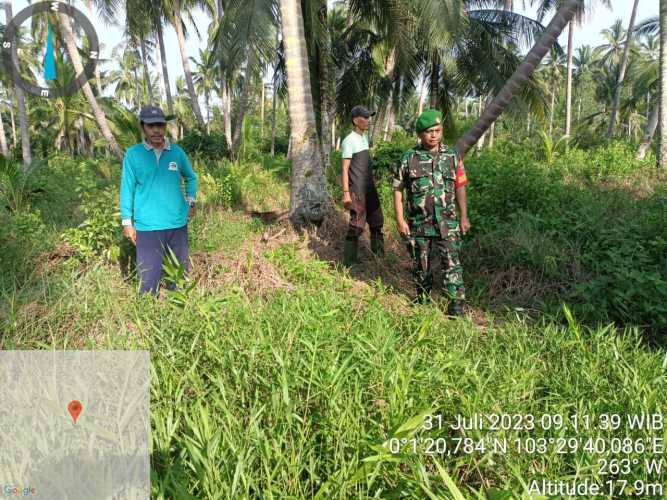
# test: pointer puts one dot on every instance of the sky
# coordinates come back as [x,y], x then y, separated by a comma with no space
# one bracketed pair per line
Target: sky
[588,33]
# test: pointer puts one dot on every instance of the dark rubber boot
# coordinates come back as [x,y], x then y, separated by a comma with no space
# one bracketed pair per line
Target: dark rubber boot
[377,243]
[350,252]
[455,308]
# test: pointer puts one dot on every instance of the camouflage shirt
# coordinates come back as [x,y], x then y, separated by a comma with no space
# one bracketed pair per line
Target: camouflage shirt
[430,180]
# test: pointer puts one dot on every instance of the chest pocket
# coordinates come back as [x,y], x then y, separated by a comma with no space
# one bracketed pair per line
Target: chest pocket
[420,175]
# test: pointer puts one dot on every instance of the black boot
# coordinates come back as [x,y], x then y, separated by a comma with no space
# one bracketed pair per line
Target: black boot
[377,243]
[350,252]
[455,308]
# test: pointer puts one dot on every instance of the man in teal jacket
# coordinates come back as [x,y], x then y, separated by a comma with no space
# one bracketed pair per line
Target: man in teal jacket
[153,207]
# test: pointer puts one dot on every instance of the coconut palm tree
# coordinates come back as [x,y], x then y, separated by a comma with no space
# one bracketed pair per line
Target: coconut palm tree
[176,9]
[520,76]
[242,44]
[98,112]
[612,50]
[621,72]
[125,76]
[20,99]
[546,6]
[205,78]
[309,200]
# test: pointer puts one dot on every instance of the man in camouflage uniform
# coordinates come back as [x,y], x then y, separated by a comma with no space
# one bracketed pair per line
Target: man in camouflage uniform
[434,179]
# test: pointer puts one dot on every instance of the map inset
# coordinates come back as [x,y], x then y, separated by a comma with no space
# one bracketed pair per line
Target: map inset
[75,424]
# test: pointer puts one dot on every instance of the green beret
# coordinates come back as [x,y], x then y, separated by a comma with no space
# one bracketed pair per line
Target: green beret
[429,118]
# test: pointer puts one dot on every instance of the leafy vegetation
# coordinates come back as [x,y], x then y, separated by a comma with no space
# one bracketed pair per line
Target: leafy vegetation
[311,377]
[277,373]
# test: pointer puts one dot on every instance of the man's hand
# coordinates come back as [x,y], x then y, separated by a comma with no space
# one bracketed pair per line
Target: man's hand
[403,228]
[130,233]
[347,200]
[465,225]
[191,212]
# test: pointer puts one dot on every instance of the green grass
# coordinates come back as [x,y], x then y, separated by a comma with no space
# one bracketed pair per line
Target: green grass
[301,391]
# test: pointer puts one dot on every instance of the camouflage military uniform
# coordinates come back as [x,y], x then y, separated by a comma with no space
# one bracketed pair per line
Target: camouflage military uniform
[430,180]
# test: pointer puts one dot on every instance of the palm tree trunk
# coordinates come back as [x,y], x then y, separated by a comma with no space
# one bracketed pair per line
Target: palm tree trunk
[166,88]
[178,25]
[11,117]
[160,80]
[480,143]
[621,74]
[435,81]
[261,112]
[208,112]
[20,98]
[273,123]
[243,104]
[98,76]
[326,101]
[98,113]
[568,90]
[165,72]
[309,199]
[651,125]
[137,90]
[662,148]
[521,75]
[273,101]
[147,77]
[551,111]
[3,139]
[227,113]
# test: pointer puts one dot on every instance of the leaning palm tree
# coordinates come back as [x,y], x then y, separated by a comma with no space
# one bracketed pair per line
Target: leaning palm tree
[20,98]
[309,200]
[98,112]
[520,76]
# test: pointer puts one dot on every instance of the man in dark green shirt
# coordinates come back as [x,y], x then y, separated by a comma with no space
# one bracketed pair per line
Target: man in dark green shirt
[360,196]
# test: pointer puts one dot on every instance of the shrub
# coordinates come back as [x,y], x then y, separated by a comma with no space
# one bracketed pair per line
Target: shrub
[100,233]
[551,234]
[211,146]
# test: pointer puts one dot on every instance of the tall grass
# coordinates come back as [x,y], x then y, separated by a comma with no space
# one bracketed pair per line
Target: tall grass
[302,391]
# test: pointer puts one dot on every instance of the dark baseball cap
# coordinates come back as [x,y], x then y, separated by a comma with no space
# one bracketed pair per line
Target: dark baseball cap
[154,114]
[361,111]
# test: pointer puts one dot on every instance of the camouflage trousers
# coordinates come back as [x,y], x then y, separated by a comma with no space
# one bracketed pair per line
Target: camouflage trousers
[422,250]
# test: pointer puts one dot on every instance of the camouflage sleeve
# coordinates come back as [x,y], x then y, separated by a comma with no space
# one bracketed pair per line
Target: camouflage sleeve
[399,173]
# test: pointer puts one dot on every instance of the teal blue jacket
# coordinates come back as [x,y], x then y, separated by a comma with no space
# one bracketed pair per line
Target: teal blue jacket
[151,191]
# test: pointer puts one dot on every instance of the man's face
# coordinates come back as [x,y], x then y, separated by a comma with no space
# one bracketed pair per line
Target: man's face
[430,138]
[155,132]
[362,122]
